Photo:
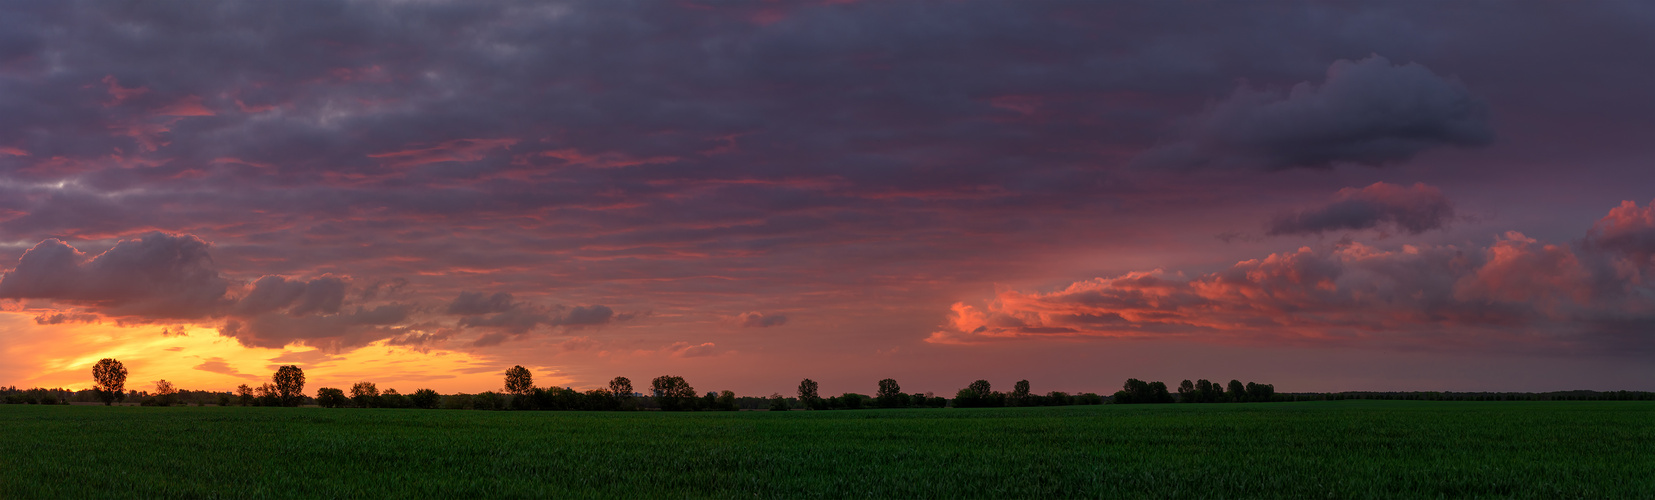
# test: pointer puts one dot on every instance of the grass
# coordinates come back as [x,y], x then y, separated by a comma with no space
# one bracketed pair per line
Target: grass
[1342,449]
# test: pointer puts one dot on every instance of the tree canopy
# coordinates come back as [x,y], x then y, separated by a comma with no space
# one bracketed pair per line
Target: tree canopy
[110,376]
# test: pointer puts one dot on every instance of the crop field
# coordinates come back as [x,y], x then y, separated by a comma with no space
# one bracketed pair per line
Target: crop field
[1322,449]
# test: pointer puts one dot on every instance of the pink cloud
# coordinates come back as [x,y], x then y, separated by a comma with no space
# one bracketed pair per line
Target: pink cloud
[1515,290]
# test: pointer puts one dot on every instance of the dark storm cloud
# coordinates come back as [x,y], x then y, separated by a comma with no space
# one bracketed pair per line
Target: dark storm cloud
[1368,112]
[1412,210]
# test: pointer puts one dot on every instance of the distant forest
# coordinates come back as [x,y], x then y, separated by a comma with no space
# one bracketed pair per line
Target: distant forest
[674,393]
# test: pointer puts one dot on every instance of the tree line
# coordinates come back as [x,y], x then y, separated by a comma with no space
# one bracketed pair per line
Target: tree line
[674,393]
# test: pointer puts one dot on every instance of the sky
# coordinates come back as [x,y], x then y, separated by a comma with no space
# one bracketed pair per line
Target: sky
[1324,196]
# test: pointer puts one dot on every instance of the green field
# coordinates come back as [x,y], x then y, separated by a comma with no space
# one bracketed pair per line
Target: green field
[1300,450]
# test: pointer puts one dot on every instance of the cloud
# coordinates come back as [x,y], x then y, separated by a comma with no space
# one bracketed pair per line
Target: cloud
[1413,210]
[1368,112]
[60,318]
[158,276]
[421,336]
[1628,230]
[688,350]
[757,319]
[331,333]
[1515,293]
[584,316]
[519,319]
[322,295]
[476,303]
[219,365]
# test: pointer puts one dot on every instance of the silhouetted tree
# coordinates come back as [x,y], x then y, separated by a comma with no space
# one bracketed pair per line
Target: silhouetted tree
[110,377]
[1261,393]
[290,384]
[165,393]
[978,394]
[807,394]
[519,381]
[672,393]
[1208,391]
[390,398]
[328,397]
[244,395]
[365,394]
[601,400]
[1136,391]
[267,395]
[621,387]
[425,399]
[488,401]
[727,401]
[890,394]
[778,403]
[1187,392]
[1020,393]
[1238,392]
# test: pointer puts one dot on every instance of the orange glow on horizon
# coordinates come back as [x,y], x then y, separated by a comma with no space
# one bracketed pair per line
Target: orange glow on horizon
[62,356]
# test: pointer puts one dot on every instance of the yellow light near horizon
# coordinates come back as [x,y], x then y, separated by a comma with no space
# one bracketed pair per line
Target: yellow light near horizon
[62,355]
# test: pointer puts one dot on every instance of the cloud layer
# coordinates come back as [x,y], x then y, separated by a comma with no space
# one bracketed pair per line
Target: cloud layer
[579,183]
[1517,293]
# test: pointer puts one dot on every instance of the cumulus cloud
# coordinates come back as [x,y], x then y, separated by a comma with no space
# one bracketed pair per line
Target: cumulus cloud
[158,276]
[1628,230]
[1414,209]
[322,295]
[755,319]
[1515,292]
[1368,112]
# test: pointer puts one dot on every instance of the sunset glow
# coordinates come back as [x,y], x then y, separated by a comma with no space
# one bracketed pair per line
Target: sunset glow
[424,194]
